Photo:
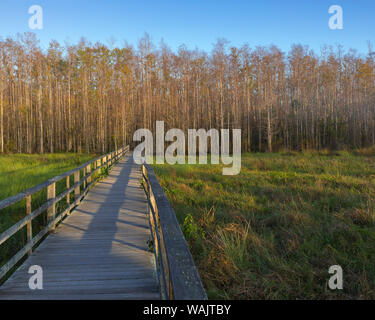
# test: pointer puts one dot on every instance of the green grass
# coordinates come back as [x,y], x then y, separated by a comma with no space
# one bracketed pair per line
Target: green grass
[273,231]
[19,172]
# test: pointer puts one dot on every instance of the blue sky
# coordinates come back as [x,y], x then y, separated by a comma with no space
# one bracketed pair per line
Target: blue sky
[196,23]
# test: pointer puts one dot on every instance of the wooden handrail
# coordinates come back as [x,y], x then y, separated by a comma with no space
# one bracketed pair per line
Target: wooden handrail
[178,276]
[89,169]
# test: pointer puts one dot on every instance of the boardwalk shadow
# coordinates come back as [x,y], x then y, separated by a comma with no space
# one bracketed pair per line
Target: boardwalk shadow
[114,215]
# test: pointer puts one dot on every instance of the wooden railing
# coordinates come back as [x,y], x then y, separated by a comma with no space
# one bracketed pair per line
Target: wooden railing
[88,171]
[178,275]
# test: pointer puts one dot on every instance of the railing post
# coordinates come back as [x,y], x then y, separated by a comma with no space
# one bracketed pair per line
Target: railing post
[29,226]
[146,187]
[88,170]
[67,187]
[84,180]
[51,211]
[77,190]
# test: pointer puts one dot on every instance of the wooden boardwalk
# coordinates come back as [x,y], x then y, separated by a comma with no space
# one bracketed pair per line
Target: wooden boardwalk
[98,252]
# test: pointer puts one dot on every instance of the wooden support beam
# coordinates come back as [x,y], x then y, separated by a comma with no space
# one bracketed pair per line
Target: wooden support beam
[67,187]
[88,170]
[77,190]
[51,211]
[84,180]
[29,226]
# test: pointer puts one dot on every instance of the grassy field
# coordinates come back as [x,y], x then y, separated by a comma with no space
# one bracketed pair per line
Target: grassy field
[19,172]
[273,231]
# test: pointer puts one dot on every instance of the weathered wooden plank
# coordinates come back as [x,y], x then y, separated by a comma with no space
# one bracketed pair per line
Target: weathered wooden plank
[84,296]
[109,285]
[82,290]
[133,273]
[80,294]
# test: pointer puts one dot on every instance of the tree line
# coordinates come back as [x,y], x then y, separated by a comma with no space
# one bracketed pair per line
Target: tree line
[92,97]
